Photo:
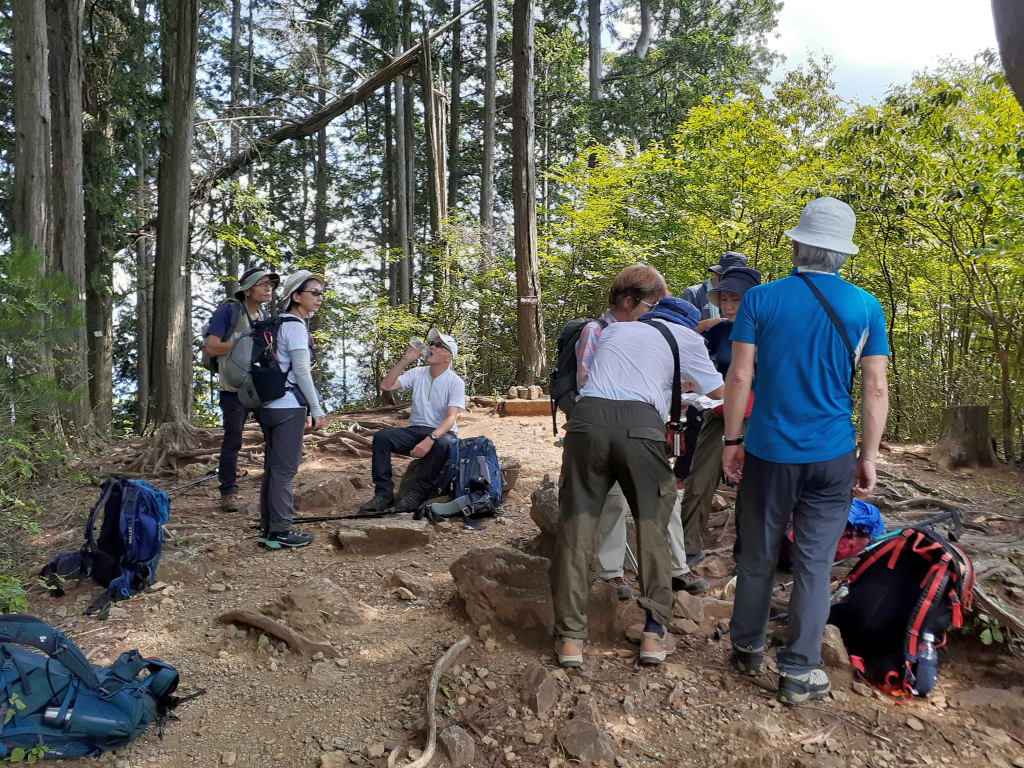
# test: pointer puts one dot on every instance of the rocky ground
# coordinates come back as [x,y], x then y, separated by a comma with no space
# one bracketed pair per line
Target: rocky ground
[382,601]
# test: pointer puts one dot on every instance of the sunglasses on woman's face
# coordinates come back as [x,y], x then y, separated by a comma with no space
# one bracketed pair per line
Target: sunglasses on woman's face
[318,293]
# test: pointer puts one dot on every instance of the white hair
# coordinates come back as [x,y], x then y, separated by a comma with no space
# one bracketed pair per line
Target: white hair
[818,259]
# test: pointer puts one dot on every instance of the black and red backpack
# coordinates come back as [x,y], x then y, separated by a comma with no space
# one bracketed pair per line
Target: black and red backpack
[916,582]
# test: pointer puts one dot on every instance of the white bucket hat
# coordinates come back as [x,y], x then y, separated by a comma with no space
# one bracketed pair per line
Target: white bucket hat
[295,282]
[449,341]
[826,223]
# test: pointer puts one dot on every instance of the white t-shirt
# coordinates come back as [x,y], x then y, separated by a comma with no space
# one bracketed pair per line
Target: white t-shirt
[432,397]
[633,362]
[292,334]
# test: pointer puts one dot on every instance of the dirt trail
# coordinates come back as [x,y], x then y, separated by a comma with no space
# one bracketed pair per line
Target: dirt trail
[268,708]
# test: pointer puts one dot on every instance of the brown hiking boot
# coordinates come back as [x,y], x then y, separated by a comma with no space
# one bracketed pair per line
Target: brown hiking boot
[229,503]
[569,652]
[689,582]
[622,590]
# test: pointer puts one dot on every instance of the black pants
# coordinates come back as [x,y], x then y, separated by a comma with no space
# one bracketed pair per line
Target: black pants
[401,441]
[235,415]
[282,429]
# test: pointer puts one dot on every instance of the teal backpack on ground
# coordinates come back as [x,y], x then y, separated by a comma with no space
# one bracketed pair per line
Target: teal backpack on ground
[57,699]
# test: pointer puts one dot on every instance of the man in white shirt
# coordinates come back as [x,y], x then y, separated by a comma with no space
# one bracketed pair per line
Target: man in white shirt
[438,394]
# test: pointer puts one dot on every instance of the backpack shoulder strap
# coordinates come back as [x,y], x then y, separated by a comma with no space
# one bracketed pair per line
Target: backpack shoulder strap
[237,307]
[90,537]
[28,630]
[835,323]
[677,376]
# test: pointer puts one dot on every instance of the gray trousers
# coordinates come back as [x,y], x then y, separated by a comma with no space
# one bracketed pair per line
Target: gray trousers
[282,430]
[818,497]
[610,543]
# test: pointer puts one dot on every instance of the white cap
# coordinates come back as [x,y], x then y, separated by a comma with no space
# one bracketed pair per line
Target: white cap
[449,341]
[826,223]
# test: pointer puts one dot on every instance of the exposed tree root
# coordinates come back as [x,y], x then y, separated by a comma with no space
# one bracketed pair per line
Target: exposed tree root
[430,705]
[295,641]
[168,443]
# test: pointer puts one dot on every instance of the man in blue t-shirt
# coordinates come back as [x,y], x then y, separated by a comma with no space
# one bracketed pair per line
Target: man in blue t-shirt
[229,322]
[799,341]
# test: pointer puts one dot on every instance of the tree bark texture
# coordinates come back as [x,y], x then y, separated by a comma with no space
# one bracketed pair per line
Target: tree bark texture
[172,350]
[30,217]
[529,322]
[454,109]
[235,67]
[400,271]
[405,266]
[1009,20]
[487,181]
[594,46]
[964,439]
[99,304]
[67,252]
[643,42]
[143,263]
[390,213]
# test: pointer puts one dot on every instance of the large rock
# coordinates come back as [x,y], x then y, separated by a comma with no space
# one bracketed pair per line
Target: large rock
[334,760]
[325,495]
[585,742]
[377,537]
[544,508]
[538,689]
[524,407]
[457,746]
[687,606]
[833,652]
[506,586]
[586,709]
[419,585]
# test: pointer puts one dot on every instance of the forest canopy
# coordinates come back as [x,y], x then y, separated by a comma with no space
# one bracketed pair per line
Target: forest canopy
[660,135]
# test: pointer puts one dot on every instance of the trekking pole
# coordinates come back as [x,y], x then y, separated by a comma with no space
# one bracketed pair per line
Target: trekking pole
[634,566]
[178,489]
[955,516]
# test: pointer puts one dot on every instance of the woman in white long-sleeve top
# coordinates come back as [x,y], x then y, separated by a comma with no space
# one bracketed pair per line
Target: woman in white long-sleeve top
[284,420]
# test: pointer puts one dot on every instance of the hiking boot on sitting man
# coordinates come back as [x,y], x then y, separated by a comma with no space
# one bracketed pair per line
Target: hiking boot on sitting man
[438,395]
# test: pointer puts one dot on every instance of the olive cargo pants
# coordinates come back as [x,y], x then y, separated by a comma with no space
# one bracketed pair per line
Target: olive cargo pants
[609,441]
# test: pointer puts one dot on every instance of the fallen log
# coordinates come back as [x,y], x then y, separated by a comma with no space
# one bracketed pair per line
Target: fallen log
[294,640]
[430,706]
[996,611]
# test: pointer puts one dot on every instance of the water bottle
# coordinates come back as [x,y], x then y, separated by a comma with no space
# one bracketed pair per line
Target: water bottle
[927,665]
[420,345]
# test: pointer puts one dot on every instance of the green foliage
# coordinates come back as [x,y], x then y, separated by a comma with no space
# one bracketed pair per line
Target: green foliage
[33,755]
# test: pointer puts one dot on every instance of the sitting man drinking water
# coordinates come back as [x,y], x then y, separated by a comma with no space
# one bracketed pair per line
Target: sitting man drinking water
[438,394]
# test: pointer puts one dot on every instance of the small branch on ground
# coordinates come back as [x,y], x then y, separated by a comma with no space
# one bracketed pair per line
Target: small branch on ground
[295,641]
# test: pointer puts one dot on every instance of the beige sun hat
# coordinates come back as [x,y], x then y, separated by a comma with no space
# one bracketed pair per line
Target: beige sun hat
[826,223]
[295,281]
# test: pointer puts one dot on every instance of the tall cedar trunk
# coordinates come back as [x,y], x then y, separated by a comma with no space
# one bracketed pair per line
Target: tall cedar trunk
[594,46]
[235,67]
[643,42]
[453,128]
[31,213]
[99,269]
[172,354]
[1007,400]
[390,269]
[143,262]
[1009,20]
[64,18]
[530,362]
[405,267]
[487,180]
[400,272]
[434,139]
[964,438]
[320,203]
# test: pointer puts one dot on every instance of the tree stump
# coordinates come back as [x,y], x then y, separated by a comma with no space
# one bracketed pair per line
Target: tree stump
[964,438]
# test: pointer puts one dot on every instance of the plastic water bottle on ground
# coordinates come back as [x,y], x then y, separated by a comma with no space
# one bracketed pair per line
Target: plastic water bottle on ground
[927,665]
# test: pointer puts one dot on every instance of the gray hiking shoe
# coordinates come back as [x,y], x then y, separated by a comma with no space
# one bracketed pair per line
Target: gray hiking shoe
[569,652]
[413,500]
[795,690]
[288,540]
[748,661]
[378,503]
[689,582]
[622,589]
[229,502]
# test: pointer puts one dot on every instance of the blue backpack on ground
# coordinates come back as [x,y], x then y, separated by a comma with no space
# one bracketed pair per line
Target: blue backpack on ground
[472,479]
[58,701]
[124,557]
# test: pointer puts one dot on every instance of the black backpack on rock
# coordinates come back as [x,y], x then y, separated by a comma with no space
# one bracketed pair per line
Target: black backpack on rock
[563,387]
[916,582]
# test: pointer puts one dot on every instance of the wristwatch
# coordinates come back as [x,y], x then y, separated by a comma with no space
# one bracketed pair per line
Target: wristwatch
[433,437]
[735,441]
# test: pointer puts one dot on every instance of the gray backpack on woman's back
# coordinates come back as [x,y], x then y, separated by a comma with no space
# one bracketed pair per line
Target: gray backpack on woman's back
[252,367]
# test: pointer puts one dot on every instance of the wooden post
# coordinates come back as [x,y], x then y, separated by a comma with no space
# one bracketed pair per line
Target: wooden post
[964,439]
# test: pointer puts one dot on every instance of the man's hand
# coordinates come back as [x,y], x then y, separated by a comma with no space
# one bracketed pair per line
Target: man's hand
[411,354]
[732,462]
[422,448]
[865,479]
